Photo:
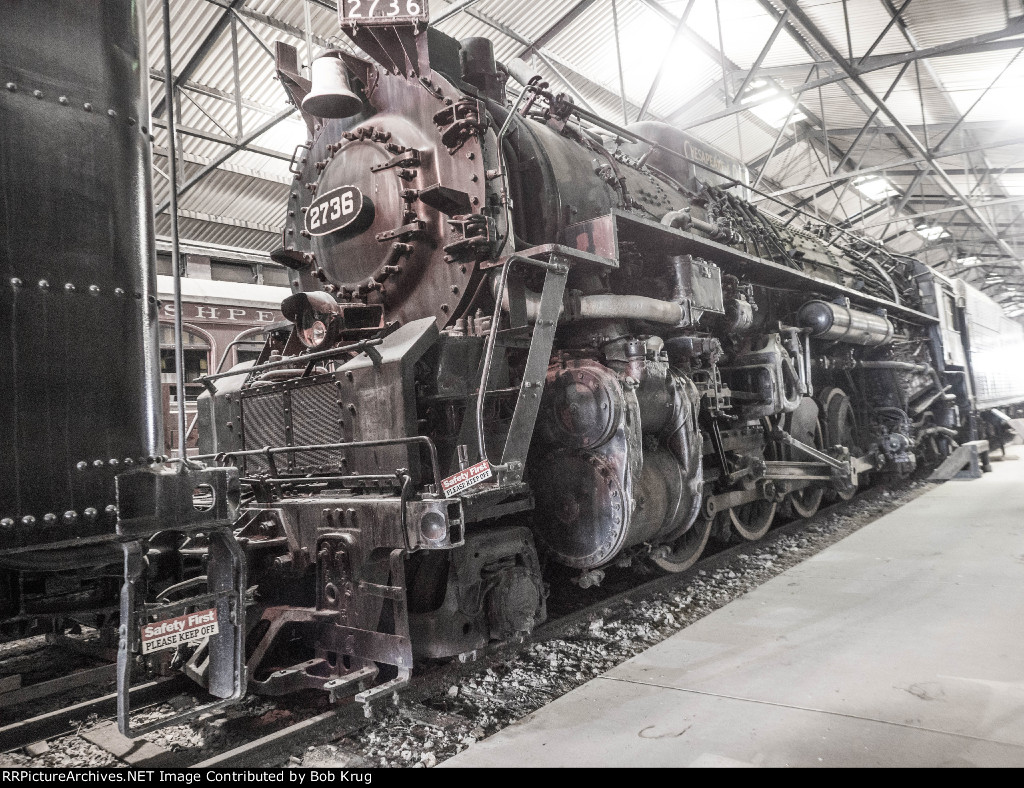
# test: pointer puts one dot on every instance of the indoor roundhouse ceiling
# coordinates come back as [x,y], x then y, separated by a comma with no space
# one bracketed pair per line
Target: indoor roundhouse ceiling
[906,117]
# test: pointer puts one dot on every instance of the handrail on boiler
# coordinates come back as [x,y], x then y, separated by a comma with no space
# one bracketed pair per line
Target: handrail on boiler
[269,451]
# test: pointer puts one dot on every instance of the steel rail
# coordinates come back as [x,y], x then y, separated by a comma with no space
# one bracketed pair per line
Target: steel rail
[58,722]
[293,360]
[272,451]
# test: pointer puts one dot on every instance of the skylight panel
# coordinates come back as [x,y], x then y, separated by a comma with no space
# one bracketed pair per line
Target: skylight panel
[875,187]
[931,232]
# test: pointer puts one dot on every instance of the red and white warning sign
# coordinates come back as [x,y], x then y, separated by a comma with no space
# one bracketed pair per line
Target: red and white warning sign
[466,478]
[172,632]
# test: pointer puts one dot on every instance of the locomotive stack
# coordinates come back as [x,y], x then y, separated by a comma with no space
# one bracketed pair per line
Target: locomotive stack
[521,337]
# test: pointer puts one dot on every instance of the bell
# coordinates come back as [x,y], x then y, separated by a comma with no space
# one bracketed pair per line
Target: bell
[331,96]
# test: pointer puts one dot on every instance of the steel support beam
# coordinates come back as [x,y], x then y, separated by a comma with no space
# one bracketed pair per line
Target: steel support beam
[252,34]
[854,97]
[664,62]
[981,96]
[559,25]
[867,213]
[801,40]
[204,49]
[248,172]
[211,137]
[551,60]
[983,126]
[216,93]
[964,207]
[216,251]
[801,135]
[893,166]
[761,56]
[708,49]
[233,148]
[778,138]
[875,63]
[229,221]
[618,62]
[927,66]
[826,45]
[893,18]
[719,56]
[873,115]
[907,195]
[454,10]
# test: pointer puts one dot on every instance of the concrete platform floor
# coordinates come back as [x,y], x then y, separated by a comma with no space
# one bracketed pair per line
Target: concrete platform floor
[902,645]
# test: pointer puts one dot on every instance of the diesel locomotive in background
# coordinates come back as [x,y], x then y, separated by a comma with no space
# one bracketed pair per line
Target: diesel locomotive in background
[519,337]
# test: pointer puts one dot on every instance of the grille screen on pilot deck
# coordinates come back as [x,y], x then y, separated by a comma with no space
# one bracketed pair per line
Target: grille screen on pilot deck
[314,420]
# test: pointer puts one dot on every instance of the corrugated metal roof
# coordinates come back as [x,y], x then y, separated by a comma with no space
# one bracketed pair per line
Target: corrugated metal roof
[236,204]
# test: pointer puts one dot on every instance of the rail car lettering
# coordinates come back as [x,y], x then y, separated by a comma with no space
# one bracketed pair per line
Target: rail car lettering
[466,478]
[220,314]
[172,632]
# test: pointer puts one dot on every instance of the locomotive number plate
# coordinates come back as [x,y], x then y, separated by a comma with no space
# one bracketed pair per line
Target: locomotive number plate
[172,632]
[364,9]
[465,479]
[337,209]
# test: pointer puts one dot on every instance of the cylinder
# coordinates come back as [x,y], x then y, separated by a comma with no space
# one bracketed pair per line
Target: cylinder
[477,58]
[842,324]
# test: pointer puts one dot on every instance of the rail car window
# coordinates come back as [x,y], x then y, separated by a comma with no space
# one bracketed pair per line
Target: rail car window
[242,355]
[275,276]
[197,362]
[249,273]
[233,272]
[949,304]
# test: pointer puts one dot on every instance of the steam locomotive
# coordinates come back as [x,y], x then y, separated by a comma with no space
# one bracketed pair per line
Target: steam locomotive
[520,337]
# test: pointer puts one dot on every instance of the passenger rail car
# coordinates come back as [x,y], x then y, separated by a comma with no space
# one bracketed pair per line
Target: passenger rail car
[224,323]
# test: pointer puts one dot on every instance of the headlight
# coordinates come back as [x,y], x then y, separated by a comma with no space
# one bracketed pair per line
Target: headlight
[315,334]
[317,318]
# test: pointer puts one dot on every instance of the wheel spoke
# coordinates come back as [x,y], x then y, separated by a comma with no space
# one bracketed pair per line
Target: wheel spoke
[752,520]
[684,551]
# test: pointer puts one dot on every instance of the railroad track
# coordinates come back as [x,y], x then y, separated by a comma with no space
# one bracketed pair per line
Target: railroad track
[62,721]
[343,720]
[346,718]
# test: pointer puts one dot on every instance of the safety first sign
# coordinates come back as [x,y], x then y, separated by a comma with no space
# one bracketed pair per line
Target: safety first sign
[172,632]
[466,478]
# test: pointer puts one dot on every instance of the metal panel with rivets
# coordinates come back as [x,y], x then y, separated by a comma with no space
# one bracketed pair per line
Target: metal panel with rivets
[77,279]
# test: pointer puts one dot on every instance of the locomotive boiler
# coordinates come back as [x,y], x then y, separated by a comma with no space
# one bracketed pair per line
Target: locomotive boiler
[524,337]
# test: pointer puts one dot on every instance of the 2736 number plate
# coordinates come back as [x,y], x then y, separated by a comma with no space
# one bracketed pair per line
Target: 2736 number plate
[336,210]
[364,9]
